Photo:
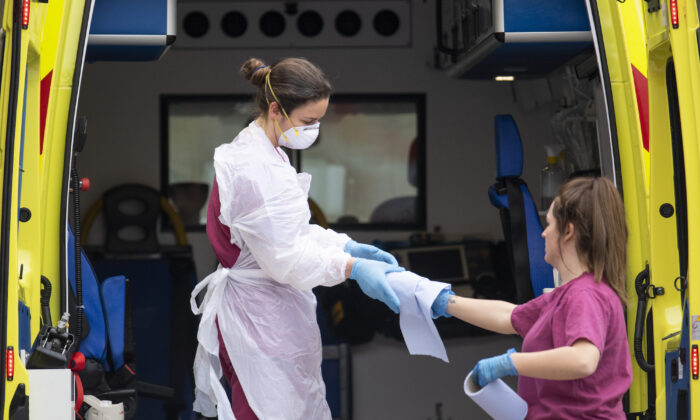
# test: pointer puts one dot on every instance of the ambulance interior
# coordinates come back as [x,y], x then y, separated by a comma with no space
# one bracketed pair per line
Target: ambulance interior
[427,96]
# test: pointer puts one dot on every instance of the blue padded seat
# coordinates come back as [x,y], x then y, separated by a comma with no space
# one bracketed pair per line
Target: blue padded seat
[161,336]
[521,225]
[94,344]
[113,293]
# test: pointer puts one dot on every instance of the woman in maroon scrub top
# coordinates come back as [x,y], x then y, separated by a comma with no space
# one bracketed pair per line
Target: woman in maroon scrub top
[575,360]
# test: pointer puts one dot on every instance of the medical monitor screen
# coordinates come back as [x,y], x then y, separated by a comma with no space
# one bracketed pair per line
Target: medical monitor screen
[440,264]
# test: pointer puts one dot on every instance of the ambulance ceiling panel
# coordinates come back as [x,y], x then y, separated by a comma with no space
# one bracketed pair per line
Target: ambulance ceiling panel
[520,38]
[301,24]
[131,30]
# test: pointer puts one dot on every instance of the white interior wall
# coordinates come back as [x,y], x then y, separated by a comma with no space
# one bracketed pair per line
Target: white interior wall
[121,101]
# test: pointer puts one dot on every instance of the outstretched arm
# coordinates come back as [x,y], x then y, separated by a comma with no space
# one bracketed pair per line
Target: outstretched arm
[492,315]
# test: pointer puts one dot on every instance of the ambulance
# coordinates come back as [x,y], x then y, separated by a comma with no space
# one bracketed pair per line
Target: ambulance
[641,56]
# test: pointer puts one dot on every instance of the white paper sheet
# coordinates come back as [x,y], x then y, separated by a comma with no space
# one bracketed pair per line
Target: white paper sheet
[417,295]
[497,399]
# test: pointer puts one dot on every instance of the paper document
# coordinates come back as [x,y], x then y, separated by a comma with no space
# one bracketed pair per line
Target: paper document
[417,295]
[497,399]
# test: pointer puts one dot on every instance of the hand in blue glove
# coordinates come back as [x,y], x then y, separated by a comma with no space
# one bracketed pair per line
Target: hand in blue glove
[369,252]
[440,304]
[488,370]
[371,276]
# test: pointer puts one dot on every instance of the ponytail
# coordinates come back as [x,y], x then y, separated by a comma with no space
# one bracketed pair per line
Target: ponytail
[594,207]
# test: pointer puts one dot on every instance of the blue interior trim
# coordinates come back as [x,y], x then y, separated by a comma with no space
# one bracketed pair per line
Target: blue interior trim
[545,15]
[509,149]
[113,294]
[130,17]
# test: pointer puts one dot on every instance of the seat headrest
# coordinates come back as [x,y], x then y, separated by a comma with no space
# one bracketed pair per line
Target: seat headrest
[131,215]
[509,148]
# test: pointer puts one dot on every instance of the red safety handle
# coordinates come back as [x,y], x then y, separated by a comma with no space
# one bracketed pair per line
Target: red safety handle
[77,363]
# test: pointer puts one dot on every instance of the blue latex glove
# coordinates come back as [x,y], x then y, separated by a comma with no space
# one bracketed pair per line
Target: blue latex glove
[369,252]
[440,304]
[371,276]
[488,370]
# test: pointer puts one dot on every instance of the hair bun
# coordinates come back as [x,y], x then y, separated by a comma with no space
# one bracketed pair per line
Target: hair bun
[255,71]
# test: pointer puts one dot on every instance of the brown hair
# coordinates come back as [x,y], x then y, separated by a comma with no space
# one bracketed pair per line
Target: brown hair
[594,207]
[295,81]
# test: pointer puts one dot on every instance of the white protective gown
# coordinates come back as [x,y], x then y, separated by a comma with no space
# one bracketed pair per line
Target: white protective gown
[265,308]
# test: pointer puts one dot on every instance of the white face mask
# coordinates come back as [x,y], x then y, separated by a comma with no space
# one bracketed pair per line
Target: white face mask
[296,137]
[299,137]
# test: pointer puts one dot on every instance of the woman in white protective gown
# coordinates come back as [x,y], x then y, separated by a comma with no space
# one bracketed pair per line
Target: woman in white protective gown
[258,326]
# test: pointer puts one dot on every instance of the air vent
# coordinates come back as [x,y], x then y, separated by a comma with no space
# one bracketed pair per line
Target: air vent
[310,23]
[272,24]
[386,22]
[348,23]
[234,24]
[195,24]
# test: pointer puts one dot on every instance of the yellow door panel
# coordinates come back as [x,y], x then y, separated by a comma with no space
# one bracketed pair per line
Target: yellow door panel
[48,53]
[684,47]
[619,26]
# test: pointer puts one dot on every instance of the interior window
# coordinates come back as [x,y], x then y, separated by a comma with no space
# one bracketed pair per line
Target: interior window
[193,127]
[367,165]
